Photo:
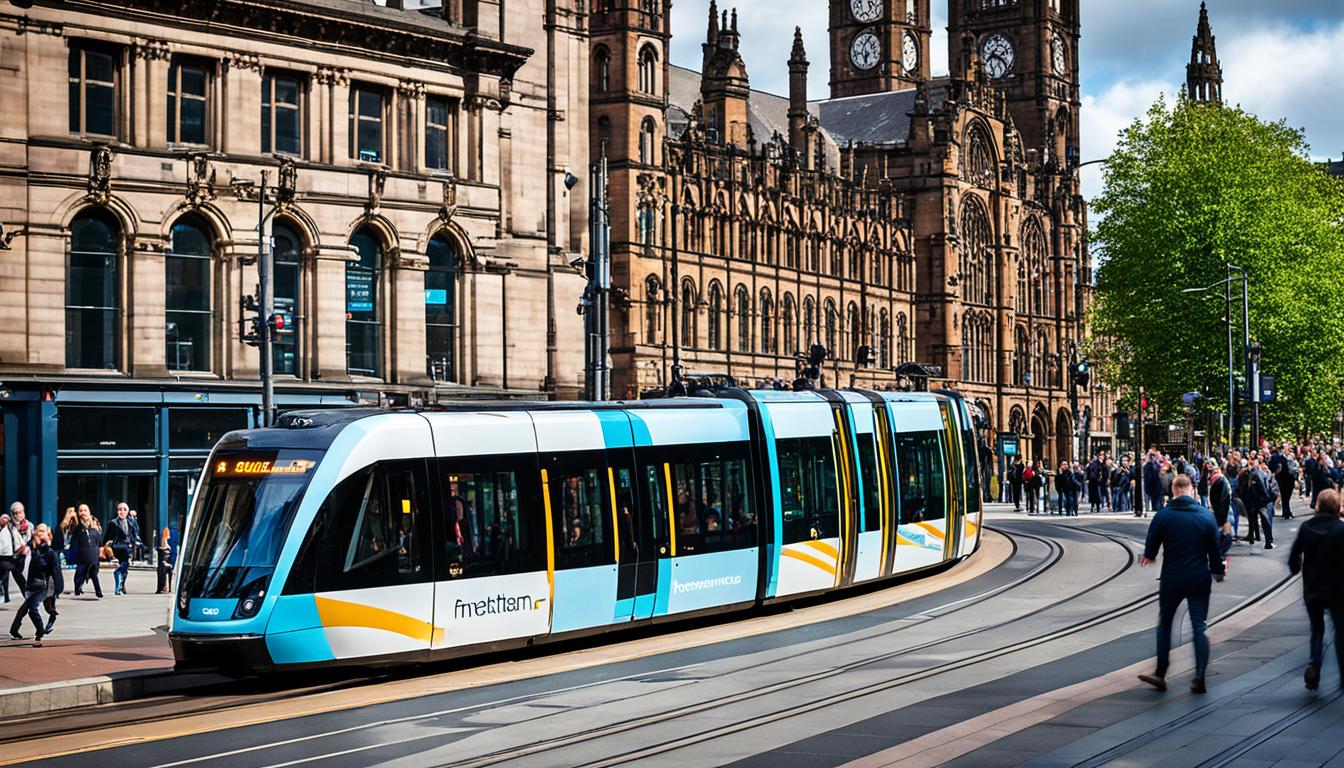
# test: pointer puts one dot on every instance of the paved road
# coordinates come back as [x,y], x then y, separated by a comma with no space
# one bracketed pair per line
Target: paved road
[1031,662]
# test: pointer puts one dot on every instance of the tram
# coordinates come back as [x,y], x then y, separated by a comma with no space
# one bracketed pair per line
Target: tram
[371,537]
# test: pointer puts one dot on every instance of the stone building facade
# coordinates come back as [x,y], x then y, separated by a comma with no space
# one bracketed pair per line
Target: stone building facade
[423,234]
[905,223]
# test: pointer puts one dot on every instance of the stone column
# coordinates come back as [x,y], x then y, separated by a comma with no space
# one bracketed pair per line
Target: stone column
[144,305]
[406,317]
[328,359]
[239,120]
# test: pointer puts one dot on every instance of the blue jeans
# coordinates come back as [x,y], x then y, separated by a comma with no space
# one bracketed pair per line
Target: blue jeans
[1316,615]
[123,568]
[1197,603]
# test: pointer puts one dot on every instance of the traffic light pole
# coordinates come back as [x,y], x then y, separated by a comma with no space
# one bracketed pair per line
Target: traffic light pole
[265,334]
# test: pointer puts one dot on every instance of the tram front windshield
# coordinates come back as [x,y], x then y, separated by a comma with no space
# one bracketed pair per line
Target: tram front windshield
[241,520]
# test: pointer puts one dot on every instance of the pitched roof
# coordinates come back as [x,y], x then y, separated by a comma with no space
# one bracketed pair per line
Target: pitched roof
[878,118]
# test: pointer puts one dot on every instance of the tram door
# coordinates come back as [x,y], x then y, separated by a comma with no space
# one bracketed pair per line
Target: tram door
[641,527]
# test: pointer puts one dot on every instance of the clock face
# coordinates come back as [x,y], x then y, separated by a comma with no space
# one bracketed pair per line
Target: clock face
[1061,59]
[866,10]
[865,51]
[997,54]
[909,53]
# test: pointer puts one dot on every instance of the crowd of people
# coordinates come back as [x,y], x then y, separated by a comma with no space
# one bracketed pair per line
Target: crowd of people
[36,557]
[1250,486]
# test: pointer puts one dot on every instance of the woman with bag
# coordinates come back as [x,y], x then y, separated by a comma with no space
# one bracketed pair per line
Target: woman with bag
[88,539]
[41,581]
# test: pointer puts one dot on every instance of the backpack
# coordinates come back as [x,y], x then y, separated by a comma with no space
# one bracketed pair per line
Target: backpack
[1028,474]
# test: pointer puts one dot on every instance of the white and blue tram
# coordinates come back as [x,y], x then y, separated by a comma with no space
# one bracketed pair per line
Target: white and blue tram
[370,537]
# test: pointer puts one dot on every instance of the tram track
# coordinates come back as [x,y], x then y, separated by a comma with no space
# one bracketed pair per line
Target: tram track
[632,724]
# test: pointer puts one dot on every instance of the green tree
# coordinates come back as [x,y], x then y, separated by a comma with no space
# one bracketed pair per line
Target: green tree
[1191,188]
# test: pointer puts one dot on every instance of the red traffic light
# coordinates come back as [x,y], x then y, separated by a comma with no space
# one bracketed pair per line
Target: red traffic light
[1143,403]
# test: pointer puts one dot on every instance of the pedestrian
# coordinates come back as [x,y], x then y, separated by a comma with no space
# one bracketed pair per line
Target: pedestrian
[87,541]
[68,524]
[19,519]
[1187,535]
[11,549]
[1318,554]
[1152,483]
[167,553]
[1096,484]
[56,540]
[137,546]
[1262,496]
[1288,475]
[1220,503]
[1066,489]
[1015,483]
[121,535]
[1031,481]
[41,576]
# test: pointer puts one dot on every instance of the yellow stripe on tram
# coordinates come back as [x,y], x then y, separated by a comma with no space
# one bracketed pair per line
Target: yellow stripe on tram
[615,520]
[824,548]
[340,613]
[550,544]
[671,511]
[883,486]
[810,560]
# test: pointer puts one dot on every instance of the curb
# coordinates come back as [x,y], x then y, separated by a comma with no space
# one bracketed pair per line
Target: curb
[43,698]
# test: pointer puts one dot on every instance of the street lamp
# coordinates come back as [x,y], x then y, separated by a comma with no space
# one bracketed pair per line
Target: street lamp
[1235,274]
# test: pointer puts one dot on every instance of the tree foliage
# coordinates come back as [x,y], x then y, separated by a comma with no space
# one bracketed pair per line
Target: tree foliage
[1191,188]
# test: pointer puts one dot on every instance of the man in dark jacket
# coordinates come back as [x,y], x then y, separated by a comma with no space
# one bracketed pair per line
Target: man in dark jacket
[1318,553]
[1188,536]
[1015,483]
[1152,482]
[1219,492]
[42,566]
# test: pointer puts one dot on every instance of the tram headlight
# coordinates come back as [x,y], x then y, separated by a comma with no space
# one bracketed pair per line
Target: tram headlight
[251,601]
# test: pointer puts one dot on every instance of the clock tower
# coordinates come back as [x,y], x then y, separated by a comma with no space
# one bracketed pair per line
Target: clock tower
[1029,52]
[878,45]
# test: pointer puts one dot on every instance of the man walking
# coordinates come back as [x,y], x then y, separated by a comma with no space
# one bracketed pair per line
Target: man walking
[122,533]
[1318,553]
[11,549]
[1188,537]
[1015,483]
[1152,483]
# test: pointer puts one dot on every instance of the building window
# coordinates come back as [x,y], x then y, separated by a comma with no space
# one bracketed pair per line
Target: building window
[715,319]
[977,255]
[809,323]
[441,309]
[832,319]
[688,302]
[767,323]
[188,99]
[366,124]
[93,91]
[286,282]
[281,114]
[789,320]
[648,67]
[1034,273]
[647,141]
[602,70]
[743,319]
[902,340]
[93,292]
[362,327]
[603,136]
[855,331]
[188,290]
[440,130]
[884,341]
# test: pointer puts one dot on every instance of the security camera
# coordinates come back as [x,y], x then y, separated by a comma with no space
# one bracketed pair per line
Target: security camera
[576,261]
[570,179]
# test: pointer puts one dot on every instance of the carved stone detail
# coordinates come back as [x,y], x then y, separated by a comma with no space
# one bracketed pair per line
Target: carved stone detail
[377,181]
[287,183]
[100,173]
[449,199]
[200,180]
[150,49]
[332,76]
[237,60]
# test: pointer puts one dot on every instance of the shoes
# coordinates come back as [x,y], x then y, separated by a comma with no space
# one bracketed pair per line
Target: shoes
[37,641]
[51,622]
[15,635]
[1312,677]
[1160,683]
[1197,686]
[78,593]
[1269,545]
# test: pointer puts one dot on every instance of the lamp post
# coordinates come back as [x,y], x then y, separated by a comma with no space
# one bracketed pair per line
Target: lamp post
[595,298]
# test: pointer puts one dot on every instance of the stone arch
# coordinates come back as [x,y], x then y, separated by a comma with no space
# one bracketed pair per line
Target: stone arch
[380,224]
[207,212]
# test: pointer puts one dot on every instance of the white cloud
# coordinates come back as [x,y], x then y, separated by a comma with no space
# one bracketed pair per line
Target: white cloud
[1106,114]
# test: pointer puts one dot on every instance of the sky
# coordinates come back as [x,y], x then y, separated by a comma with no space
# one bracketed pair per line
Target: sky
[1282,59]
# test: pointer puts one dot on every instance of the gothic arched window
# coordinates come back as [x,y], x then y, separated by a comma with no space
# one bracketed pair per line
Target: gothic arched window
[1022,357]
[648,141]
[648,68]
[714,321]
[602,69]
[884,340]
[1041,373]
[855,330]
[767,323]
[789,320]
[1035,274]
[743,319]
[188,309]
[287,283]
[809,323]
[902,340]
[93,292]
[688,303]
[832,319]
[977,253]
[978,165]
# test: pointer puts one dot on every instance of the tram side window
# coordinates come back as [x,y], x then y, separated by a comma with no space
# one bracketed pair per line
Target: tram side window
[872,517]
[485,533]
[811,506]
[919,455]
[969,447]
[583,518]
[713,509]
[367,533]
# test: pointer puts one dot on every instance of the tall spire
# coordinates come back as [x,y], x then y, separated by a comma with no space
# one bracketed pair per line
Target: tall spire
[798,114]
[1203,75]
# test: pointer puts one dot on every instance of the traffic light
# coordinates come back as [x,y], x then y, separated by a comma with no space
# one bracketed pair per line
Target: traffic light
[1143,403]
[249,321]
